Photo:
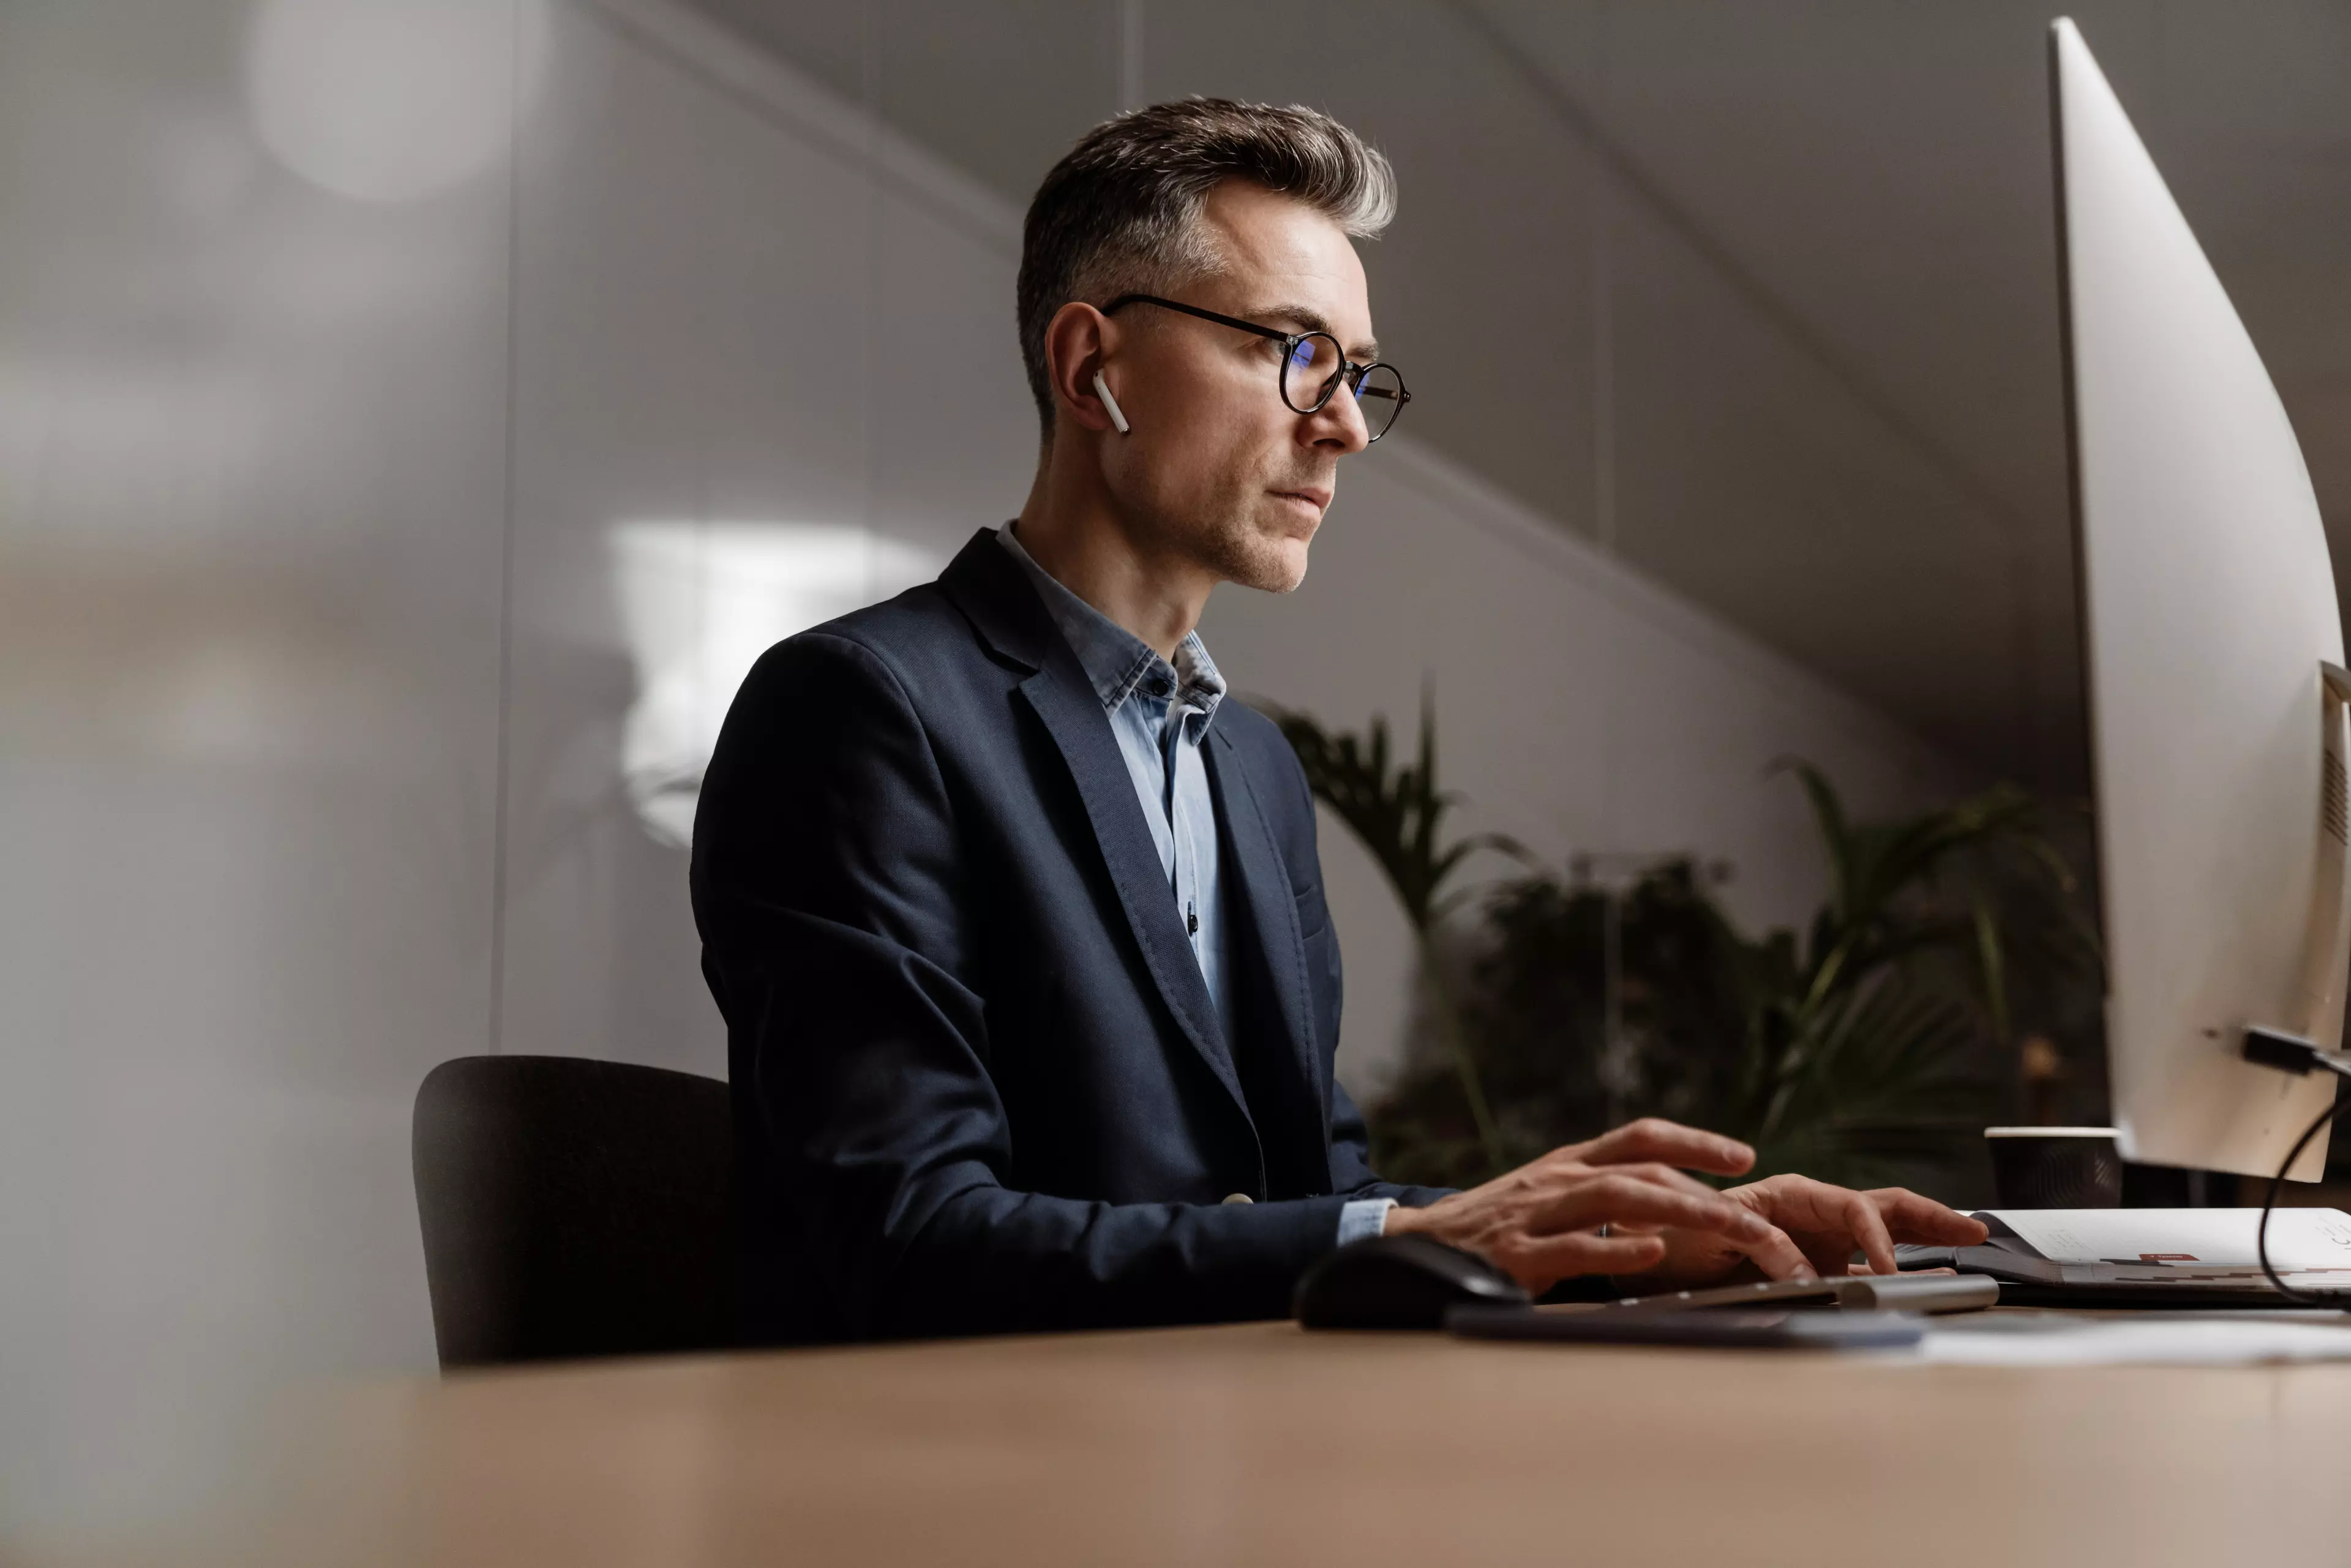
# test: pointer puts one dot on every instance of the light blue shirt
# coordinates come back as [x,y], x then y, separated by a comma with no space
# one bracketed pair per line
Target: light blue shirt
[1160,712]
[1160,715]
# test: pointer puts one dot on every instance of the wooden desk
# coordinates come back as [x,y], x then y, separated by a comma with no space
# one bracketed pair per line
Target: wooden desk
[1262,1444]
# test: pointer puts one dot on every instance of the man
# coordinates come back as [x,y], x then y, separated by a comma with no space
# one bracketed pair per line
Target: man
[1015,916]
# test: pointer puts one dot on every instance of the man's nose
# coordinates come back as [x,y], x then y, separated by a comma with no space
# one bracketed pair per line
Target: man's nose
[1339,422]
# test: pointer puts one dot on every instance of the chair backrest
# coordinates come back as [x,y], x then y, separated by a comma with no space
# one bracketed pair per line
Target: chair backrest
[573,1208]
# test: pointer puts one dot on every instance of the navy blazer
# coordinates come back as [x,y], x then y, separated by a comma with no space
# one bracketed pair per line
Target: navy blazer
[978,1081]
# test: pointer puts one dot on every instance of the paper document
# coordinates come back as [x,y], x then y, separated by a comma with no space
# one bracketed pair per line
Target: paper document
[2300,1239]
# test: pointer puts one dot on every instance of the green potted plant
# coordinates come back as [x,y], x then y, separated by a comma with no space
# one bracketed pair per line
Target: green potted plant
[1869,1050]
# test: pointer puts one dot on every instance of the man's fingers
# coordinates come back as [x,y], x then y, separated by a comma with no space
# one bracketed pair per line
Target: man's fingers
[1667,1142]
[1801,1204]
[1868,1231]
[1914,1218]
[1777,1256]
[1653,1138]
[1617,1198]
[1658,1175]
[1539,1262]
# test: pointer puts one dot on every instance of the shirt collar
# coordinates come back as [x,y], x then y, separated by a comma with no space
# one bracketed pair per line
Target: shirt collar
[1115,660]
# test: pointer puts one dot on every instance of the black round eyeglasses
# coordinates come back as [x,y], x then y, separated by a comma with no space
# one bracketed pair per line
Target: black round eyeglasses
[1314,367]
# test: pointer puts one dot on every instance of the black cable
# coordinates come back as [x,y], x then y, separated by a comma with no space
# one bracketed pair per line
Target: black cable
[2277,1185]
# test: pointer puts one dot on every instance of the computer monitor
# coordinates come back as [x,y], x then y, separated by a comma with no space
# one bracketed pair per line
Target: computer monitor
[2213,650]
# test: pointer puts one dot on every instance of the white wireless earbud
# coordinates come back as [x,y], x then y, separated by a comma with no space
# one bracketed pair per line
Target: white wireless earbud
[1102,388]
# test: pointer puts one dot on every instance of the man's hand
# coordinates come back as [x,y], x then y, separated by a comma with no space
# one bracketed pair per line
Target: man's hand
[1541,1221]
[1665,1231]
[1825,1226]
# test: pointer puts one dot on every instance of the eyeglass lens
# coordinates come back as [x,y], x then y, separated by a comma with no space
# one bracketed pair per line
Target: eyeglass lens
[1311,373]
[1380,396]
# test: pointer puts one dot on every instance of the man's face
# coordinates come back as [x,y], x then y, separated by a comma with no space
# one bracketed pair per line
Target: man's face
[1217,468]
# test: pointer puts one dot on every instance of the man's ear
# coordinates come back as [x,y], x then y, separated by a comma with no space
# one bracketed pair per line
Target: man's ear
[1078,340]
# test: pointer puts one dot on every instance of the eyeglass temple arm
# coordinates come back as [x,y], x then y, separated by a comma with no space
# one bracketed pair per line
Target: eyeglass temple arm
[1124,300]
[1287,340]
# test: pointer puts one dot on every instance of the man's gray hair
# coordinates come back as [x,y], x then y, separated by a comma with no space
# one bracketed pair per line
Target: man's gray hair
[1121,213]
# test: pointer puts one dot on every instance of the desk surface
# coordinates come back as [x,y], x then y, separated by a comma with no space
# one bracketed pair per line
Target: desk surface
[1262,1444]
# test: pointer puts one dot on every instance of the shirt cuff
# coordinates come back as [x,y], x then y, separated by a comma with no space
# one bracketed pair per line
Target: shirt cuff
[1363,1217]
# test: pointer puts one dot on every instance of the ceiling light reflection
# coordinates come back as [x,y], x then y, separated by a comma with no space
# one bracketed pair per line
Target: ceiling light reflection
[700,602]
[391,101]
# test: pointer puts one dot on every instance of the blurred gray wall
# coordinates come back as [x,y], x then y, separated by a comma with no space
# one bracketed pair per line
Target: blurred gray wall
[391,478]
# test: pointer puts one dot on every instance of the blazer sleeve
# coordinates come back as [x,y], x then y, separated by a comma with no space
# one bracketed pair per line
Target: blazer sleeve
[837,934]
[1351,1151]
[1351,1159]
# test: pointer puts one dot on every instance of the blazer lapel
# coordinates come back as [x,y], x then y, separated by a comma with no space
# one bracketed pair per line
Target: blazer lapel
[1005,611]
[1264,881]
[1073,715]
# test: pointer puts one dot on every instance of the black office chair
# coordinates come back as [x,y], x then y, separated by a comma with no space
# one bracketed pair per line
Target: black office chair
[573,1208]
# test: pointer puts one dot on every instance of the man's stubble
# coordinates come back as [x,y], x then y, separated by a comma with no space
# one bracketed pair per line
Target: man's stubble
[1225,540]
